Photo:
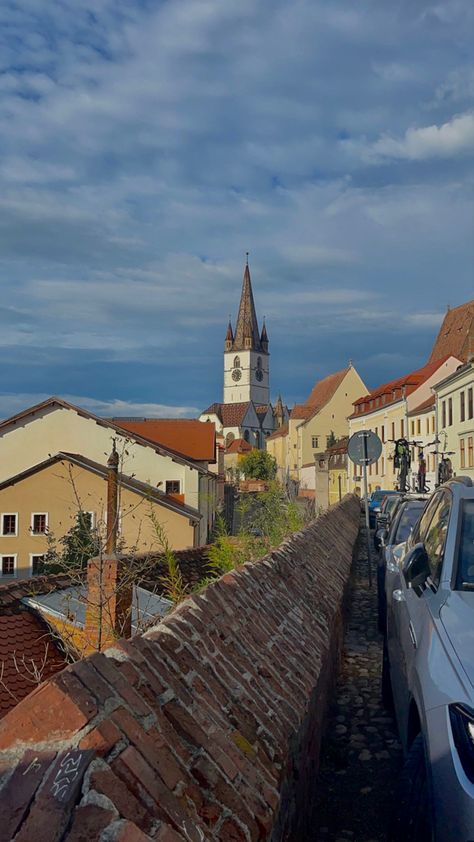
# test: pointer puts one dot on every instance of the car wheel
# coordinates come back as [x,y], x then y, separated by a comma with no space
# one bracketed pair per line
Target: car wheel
[412,818]
[387,695]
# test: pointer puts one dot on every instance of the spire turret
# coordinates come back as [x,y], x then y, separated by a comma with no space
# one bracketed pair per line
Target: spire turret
[229,337]
[264,337]
[246,330]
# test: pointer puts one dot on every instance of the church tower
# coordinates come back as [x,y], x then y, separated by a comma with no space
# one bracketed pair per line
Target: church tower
[246,357]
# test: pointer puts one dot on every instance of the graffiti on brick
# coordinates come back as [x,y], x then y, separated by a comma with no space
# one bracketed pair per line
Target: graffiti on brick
[69,771]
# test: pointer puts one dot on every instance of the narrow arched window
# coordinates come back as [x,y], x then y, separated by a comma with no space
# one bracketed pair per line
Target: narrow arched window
[259,362]
[246,435]
[236,362]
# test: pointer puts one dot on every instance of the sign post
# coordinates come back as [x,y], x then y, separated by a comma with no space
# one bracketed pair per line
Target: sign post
[364,449]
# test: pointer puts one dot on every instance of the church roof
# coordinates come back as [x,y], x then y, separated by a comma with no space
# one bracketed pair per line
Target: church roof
[230,414]
[247,326]
[456,334]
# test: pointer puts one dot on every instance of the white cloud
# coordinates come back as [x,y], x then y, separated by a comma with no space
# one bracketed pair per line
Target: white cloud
[455,137]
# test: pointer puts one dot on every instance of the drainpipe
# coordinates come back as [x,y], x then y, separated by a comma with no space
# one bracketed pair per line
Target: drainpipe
[112,501]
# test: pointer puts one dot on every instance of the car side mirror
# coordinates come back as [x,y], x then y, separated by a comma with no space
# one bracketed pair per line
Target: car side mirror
[416,567]
[383,537]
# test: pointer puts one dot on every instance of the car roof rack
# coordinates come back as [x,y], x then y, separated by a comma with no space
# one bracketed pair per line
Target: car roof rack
[467,481]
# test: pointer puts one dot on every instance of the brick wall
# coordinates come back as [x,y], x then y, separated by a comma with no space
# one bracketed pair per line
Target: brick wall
[207,727]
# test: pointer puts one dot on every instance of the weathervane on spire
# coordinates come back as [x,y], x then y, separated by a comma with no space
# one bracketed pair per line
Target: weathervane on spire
[246,258]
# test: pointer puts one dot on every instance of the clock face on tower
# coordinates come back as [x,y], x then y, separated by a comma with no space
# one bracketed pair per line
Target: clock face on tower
[259,374]
[236,374]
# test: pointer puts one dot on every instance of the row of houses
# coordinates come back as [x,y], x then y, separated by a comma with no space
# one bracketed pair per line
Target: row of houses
[431,407]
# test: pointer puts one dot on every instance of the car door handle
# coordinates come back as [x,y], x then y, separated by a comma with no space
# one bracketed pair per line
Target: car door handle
[412,634]
[398,595]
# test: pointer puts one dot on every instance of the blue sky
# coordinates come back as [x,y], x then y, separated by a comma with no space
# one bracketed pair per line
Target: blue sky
[146,146]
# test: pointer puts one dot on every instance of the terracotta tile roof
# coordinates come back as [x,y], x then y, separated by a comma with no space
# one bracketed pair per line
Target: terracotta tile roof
[282,431]
[339,447]
[25,640]
[395,389]
[429,403]
[324,390]
[188,436]
[55,402]
[300,411]
[239,446]
[321,393]
[456,334]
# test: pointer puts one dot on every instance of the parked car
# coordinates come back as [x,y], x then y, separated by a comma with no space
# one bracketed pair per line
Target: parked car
[408,511]
[375,503]
[429,658]
[383,518]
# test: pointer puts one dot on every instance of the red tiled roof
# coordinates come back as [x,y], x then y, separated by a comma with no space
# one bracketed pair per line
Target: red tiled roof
[429,403]
[282,431]
[26,644]
[323,390]
[239,446]
[394,389]
[300,410]
[188,436]
[321,393]
[456,334]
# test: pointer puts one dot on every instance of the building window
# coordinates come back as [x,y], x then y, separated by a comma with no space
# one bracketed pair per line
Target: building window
[393,430]
[418,426]
[470,452]
[470,404]
[412,427]
[86,519]
[402,428]
[236,362]
[443,414]
[432,424]
[462,407]
[314,441]
[8,565]
[9,524]
[450,412]
[36,564]
[173,486]
[376,431]
[383,465]
[462,445]
[383,433]
[39,523]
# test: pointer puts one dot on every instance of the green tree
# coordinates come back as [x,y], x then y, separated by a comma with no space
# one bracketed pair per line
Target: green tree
[258,464]
[81,543]
[331,439]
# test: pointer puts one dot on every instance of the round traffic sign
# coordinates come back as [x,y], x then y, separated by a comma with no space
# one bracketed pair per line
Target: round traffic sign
[364,447]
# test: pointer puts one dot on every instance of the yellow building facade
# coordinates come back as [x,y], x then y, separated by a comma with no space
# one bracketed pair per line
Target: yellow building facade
[386,412]
[39,507]
[455,418]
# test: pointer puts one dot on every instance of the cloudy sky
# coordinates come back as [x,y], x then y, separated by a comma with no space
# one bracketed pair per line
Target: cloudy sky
[147,145]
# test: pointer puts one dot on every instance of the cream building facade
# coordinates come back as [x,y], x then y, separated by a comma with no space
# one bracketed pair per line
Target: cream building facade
[33,436]
[386,412]
[40,505]
[455,418]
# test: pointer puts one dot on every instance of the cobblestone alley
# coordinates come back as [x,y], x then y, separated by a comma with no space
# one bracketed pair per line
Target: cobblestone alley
[360,756]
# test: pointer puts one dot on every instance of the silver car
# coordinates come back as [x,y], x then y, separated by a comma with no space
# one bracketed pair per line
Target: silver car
[429,651]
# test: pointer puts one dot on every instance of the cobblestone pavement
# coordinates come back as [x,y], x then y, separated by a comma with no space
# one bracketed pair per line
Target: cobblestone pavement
[360,756]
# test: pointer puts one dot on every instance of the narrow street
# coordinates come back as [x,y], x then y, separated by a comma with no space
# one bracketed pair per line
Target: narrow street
[360,756]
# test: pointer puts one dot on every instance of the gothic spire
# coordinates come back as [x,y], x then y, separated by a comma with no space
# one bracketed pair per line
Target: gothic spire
[246,330]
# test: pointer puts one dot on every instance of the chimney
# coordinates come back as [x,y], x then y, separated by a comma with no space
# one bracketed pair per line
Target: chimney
[109,596]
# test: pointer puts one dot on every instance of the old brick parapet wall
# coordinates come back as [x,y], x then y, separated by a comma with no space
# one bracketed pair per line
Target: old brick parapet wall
[206,727]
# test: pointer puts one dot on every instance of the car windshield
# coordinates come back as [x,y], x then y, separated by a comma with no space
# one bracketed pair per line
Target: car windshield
[408,517]
[466,547]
